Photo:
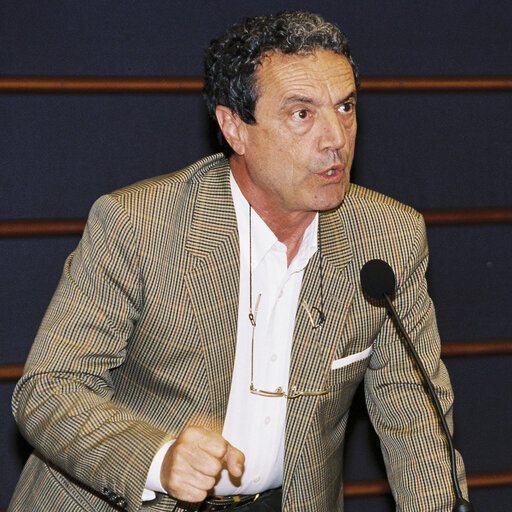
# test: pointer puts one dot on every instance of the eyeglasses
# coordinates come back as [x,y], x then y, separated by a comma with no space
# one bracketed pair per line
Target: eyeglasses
[279,392]
[293,392]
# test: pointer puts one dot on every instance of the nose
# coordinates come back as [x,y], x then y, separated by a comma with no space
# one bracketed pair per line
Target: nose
[332,132]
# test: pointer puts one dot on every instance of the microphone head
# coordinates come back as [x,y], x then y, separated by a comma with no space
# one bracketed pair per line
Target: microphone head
[377,279]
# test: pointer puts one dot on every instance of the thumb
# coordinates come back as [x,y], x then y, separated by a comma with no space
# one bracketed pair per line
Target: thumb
[234,459]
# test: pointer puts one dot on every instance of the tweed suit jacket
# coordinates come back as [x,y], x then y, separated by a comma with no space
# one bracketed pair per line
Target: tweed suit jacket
[139,342]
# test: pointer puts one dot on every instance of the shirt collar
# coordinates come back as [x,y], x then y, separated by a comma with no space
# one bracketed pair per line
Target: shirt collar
[263,239]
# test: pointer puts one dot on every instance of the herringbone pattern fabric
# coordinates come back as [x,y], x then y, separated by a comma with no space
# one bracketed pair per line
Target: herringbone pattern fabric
[139,341]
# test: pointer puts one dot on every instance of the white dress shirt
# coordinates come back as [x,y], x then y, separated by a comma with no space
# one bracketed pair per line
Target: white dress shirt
[255,424]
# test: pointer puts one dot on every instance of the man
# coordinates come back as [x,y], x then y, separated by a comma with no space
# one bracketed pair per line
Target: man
[210,331]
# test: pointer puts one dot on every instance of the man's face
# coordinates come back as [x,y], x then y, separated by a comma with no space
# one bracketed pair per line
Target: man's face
[298,154]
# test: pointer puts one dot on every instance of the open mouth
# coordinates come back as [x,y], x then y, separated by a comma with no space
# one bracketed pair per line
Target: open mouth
[332,172]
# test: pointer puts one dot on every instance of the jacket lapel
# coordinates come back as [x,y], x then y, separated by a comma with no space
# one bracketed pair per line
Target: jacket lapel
[213,283]
[313,349]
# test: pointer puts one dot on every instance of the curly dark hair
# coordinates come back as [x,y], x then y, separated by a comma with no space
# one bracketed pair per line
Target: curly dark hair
[232,59]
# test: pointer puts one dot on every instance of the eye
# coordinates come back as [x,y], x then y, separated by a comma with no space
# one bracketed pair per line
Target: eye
[301,114]
[347,107]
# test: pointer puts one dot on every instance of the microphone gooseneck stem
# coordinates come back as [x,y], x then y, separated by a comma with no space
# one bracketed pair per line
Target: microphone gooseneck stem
[459,500]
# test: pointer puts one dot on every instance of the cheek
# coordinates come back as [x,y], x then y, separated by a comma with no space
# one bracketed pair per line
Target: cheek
[258,146]
[269,140]
[353,133]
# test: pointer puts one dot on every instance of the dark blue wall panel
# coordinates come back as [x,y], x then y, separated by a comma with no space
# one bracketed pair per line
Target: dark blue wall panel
[61,152]
[31,270]
[469,278]
[437,150]
[168,37]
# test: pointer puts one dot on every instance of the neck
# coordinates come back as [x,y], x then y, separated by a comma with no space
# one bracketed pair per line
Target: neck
[292,237]
[289,227]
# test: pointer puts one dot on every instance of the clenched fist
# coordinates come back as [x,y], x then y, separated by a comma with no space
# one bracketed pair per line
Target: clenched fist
[194,461]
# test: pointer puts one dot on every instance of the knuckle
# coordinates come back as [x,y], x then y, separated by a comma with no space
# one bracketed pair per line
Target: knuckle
[219,447]
[212,467]
[200,496]
[193,495]
[173,486]
[191,433]
[179,456]
[187,433]
[208,482]
[216,466]
[194,429]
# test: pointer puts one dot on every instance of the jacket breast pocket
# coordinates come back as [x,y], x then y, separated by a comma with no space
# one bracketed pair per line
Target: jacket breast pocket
[349,368]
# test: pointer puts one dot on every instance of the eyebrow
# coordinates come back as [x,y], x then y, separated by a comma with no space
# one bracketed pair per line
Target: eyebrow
[351,96]
[298,99]
[310,101]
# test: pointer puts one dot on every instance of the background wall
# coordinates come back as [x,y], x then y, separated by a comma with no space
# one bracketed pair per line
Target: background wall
[59,152]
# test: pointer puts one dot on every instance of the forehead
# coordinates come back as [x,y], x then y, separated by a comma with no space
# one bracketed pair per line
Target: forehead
[322,73]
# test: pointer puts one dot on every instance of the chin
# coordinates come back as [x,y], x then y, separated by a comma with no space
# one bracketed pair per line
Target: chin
[329,203]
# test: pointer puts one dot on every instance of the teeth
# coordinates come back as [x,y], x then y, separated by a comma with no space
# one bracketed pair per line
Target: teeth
[330,172]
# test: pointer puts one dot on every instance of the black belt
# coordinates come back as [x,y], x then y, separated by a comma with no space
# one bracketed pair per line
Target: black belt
[219,503]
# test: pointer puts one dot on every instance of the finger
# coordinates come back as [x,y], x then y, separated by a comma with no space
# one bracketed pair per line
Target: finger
[190,458]
[204,463]
[207,440]
[213,444]
[179,483]
[235,460]
[182,481]
[189,493]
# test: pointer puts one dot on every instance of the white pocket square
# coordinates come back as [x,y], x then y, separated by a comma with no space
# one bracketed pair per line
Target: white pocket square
[345,361]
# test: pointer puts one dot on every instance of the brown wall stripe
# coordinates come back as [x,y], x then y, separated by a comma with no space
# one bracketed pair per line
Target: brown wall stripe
[41,227]
[180,85]
[376,487]
[476,348]
[468,216]
[9,372]
[74,227]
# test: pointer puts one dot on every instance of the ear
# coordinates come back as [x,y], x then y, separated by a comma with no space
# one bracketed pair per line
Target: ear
[232,127]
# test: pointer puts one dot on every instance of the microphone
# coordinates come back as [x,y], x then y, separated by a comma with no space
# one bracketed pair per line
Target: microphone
[378,282]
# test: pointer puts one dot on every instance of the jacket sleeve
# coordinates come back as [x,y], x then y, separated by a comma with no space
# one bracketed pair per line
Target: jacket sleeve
[65,404]
[413,444]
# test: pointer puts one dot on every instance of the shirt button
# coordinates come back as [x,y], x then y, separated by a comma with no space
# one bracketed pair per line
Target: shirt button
[267,420]
[273,357]
[256,480]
